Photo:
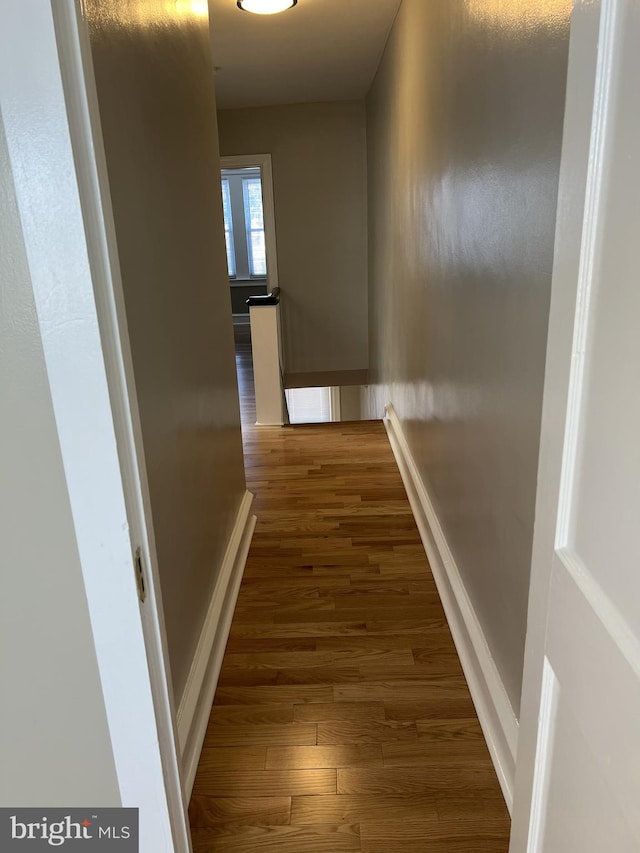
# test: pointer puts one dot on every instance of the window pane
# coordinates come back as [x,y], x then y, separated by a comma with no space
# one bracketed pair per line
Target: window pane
[226,204]
[309,405]
[228,227]
[258,260]
[231,260]
[254,222]
[253,203]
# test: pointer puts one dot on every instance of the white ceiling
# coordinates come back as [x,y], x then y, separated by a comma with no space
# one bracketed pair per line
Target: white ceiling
[321,50]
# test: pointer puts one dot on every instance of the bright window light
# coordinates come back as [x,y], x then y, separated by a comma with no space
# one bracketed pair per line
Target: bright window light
[309,405]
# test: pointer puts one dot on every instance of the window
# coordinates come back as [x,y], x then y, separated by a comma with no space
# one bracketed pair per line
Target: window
[244,223]
[254,224]
[309,405]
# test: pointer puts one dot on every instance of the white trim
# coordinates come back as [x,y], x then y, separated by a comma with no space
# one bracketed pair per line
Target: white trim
[193,713]
[243,161]
[548,710]
[597,178]
[498,721]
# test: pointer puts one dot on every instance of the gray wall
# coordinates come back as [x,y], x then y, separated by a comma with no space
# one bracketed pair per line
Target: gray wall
[350,402]
[241,292]
[464,130]
[54,740]
[157,105]
[318,156]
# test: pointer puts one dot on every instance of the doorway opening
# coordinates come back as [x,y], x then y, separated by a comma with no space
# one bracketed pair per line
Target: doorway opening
[249,229]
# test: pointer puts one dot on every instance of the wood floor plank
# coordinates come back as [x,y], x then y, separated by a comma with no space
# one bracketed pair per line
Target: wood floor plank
[437,701]
[247,678]
[250,734]
[387,508]
[481,843]
[428,629]
[264,783]
[248,645]
[362,613]
[470,806]
[421,753]
[347,656]
[355,808]
[319,675]
[424,605]
[298,629]
[414,780]
[273,694]
[370,645]
[352,711]
[222,715]
[260,585]
[223,811]
[344,755]
[283,839]
[371,731]
[268,611]
[233,758]
[428,836]
[459,730]
[426,698]
[444,665]
[367,569]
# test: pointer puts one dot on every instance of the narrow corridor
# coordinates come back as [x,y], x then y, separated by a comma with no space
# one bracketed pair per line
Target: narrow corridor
[342,720]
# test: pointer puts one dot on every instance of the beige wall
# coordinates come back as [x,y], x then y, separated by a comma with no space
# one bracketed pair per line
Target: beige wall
[350,402]
[54,741]
[319,174]
[157,105]
[464,130]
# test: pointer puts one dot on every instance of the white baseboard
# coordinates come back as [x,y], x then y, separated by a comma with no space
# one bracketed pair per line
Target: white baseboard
[195,707]
[498,721]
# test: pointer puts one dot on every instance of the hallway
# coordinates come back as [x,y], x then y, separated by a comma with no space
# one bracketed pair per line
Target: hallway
[342,720]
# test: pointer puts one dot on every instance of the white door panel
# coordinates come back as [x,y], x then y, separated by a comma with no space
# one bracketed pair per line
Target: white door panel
[576,781]
[585,767]
[588,793]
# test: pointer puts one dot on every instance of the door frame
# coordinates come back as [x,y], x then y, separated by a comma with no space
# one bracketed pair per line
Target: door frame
[580,174]
[52,124]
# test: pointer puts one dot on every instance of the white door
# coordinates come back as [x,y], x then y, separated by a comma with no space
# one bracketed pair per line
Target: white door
[578,774]
[51,123]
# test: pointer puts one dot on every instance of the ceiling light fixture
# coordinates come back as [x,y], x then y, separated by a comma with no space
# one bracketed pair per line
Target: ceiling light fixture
[266,7]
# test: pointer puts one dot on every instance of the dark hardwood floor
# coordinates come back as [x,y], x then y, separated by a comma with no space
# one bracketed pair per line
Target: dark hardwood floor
[342,720]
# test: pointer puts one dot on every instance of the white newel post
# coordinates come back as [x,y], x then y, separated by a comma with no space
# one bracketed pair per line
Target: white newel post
[264,313]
